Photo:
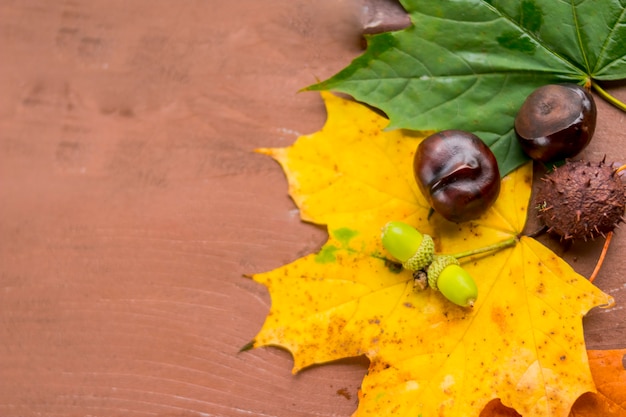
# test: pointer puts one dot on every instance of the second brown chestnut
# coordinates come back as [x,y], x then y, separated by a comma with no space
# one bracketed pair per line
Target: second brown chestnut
[556,122]
[457,173]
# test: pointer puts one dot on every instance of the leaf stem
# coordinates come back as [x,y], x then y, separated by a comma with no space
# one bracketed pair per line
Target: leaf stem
[248,346]
[620,169]
[608,97]
[605,248]
[496,246]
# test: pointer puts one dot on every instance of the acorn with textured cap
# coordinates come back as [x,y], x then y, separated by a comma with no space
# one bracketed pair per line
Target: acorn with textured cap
[416,252]
[405,243]
[446,275]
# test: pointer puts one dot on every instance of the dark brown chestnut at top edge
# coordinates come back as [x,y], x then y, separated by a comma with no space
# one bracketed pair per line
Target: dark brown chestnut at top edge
[457,173]
[557,121]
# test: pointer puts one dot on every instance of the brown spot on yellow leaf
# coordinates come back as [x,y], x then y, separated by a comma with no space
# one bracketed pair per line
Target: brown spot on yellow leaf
[499,318]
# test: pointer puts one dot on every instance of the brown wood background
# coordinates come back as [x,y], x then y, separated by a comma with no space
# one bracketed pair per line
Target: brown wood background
[131,204]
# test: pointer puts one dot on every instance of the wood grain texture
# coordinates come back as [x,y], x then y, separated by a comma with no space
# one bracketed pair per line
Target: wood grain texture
[132,205]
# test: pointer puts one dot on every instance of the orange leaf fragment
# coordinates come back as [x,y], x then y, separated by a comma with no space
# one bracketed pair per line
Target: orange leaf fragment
[610,377]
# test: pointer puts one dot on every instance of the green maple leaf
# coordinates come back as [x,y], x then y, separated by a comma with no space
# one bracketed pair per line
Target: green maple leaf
[469,64]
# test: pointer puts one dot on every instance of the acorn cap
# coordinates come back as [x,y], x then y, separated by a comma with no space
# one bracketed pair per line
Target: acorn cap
[423,255]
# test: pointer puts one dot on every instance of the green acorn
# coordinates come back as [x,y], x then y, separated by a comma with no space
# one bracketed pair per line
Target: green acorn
[416,251]
[446,275]
[413,249]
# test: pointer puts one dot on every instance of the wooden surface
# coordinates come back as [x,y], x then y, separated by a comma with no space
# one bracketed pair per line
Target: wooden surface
[131,204]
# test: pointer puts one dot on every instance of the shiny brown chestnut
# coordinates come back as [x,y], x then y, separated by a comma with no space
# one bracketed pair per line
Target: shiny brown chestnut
[556,122]
[457,173]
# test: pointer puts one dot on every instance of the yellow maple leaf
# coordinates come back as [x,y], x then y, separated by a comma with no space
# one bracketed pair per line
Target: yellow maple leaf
[522,342]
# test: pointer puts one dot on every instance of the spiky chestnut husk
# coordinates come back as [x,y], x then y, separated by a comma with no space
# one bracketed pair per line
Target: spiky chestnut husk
[581,200]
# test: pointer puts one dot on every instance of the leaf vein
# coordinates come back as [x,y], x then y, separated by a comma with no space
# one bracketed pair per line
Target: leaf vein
[606,42]
[531,35]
